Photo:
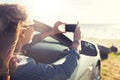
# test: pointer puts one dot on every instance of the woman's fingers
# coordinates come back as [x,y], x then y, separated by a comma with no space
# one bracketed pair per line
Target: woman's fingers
[57,28]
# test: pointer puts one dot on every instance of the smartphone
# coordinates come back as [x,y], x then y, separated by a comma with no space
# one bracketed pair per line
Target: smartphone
[70,27]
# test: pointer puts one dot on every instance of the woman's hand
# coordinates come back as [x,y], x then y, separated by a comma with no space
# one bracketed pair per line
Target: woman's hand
[77,38]
[77,33]
[53,31]
[56,27]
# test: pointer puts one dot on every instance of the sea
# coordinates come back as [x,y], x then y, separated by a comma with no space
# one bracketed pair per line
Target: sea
[102,31]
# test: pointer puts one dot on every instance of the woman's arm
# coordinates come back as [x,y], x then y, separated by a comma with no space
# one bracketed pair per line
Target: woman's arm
[65,70]
[39,37]
[31,70]
[59,72]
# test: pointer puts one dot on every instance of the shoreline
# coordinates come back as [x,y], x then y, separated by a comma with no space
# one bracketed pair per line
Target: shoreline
[105,42]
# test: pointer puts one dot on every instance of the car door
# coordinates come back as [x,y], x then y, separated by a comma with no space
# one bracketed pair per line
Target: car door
[87,62]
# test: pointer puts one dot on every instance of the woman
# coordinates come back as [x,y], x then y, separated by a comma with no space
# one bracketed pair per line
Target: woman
[14,22]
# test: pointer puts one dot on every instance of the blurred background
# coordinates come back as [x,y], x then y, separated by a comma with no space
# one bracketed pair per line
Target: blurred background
[99,21]
[98,18]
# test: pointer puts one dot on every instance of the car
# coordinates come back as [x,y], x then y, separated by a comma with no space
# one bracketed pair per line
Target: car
[53,50]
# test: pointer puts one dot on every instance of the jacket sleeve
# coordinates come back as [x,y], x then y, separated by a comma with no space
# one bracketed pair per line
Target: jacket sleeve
[60,71]
[29,69]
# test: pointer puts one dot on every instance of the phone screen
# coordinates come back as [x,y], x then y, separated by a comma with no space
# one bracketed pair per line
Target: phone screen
[70,27]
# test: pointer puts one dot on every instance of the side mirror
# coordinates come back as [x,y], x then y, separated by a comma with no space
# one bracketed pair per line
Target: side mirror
[88,48]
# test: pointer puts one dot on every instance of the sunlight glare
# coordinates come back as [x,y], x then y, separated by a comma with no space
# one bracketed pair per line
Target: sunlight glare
[44,10]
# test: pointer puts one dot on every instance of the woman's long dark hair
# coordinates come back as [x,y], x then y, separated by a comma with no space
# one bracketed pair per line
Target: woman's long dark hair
[11,18]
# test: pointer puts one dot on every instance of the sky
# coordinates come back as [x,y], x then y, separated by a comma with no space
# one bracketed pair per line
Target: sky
[71,11]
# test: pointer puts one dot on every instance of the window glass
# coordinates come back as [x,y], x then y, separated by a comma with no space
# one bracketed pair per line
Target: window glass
[88,49]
